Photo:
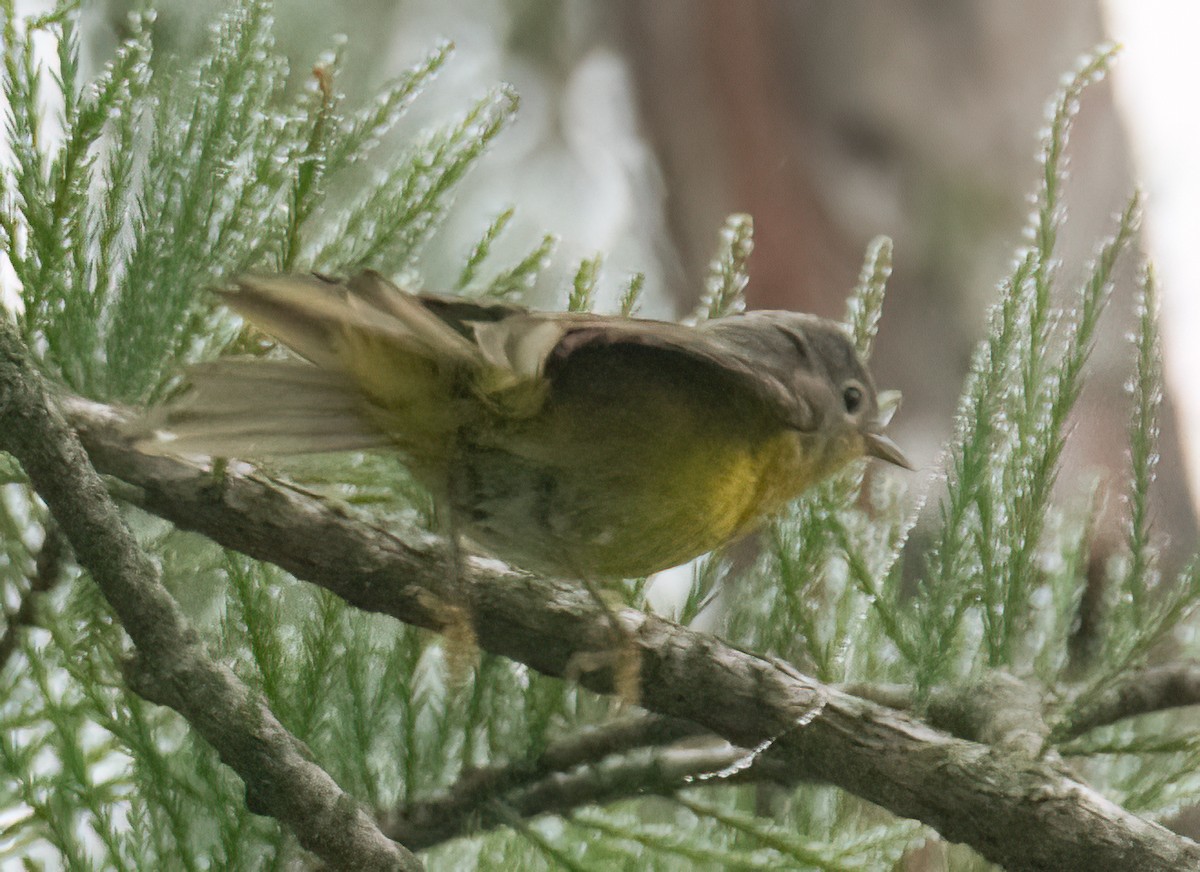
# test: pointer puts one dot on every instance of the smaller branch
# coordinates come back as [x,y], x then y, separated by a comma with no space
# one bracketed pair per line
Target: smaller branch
[459,808]
[991,710]
[645,772]
[47,572]
[660,772]
[1138,693]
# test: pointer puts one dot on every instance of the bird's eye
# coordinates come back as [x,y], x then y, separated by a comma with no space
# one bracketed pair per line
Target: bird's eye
[852,397]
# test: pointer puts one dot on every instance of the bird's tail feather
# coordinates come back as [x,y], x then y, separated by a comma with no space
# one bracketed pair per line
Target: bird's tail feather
[249,407]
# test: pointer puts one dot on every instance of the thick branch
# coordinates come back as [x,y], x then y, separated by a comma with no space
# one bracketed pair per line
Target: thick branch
[172,662]
[1018,812]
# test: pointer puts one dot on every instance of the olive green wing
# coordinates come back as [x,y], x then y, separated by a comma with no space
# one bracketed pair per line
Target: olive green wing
[760,363]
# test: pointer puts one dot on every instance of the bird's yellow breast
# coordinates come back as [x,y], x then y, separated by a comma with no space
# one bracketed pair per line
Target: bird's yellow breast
[621,494]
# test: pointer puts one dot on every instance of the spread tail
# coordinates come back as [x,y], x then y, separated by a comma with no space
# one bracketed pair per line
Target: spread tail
[248,407]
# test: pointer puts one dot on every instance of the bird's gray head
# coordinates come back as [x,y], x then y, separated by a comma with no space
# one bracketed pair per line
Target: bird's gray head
[809,371]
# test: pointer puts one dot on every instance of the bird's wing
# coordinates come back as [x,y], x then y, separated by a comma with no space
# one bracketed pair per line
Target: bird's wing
[559,348]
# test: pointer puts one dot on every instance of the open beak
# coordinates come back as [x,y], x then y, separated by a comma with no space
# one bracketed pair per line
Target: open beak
[884,448]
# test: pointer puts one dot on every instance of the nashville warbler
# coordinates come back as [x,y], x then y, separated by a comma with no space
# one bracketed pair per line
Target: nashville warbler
[572,444]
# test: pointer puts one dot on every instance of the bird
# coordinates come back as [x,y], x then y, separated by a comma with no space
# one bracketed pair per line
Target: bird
[576,444]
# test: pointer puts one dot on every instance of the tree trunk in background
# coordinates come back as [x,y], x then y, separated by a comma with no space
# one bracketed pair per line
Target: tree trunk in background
[919,119]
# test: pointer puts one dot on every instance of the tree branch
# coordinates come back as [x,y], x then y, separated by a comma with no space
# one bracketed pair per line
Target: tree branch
[572,768]
[969,792]
[999,709]
[1007,704]
[1140,692]
[648,772]
[47,572]
[172,665]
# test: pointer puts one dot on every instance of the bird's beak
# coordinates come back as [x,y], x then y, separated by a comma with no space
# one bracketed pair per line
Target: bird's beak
[884,448]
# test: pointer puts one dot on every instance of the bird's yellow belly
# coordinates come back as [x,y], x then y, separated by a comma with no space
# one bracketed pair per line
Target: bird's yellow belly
[602,516]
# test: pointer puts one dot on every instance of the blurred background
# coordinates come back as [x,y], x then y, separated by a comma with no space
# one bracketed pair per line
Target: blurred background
[643,124]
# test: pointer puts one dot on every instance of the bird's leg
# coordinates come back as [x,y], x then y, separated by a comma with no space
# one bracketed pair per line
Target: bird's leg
[624,658]
[458,626]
